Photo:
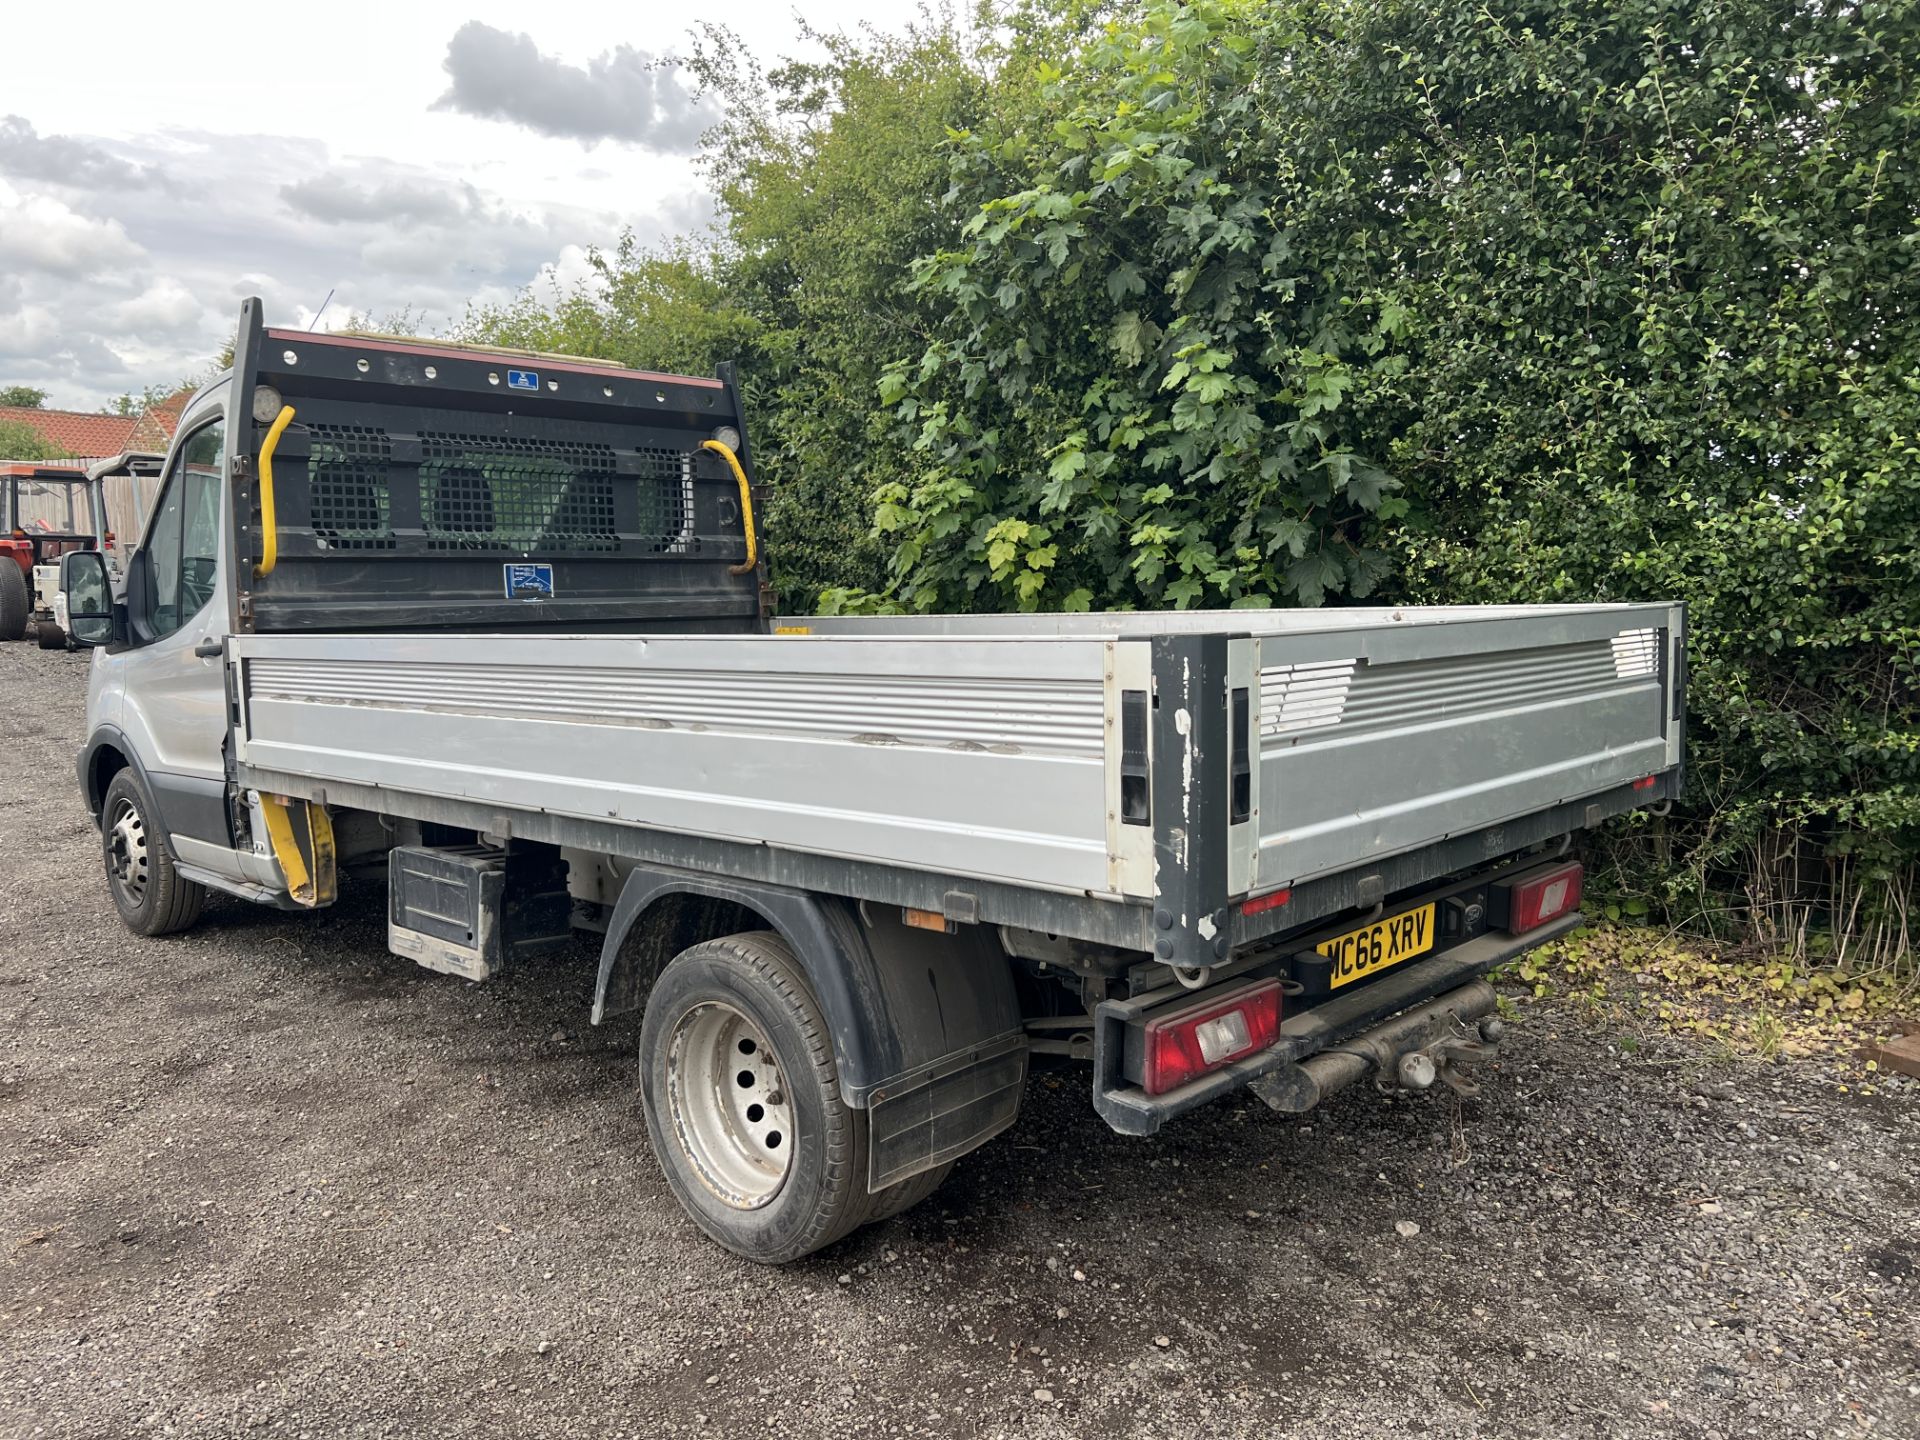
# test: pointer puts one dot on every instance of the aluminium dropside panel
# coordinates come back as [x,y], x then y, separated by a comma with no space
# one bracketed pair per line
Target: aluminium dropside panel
[971,758]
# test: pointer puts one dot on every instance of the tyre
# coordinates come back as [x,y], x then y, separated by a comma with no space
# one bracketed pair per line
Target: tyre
[743,1101]
[152,897]
[51,636]
[898,1199]
[13,600]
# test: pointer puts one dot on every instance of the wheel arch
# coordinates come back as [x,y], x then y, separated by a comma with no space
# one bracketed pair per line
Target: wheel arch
[105,755]
[897,1001]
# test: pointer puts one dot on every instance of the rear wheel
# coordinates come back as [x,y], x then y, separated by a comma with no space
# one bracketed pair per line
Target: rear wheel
[900,1198]
[51,636]
[743,1101]
[13,599]
[152,897]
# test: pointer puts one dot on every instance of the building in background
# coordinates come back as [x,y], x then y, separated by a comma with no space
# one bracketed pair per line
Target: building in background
[83,437]
[153,428]
[88,437]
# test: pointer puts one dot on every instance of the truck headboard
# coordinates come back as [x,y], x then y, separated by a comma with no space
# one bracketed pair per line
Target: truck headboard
[422,485]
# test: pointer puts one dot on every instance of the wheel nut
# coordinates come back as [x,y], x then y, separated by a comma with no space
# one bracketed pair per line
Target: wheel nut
[1417,1070]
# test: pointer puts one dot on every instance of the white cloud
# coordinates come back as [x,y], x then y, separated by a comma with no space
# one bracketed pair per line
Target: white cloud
[64,160]
[40,346]
[572,268]
[110,289]
[41,233]
[419,254]
[622,94]
[337,199]
[28,330]
[165,305]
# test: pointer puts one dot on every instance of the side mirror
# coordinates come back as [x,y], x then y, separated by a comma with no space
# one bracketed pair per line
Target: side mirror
[88,596]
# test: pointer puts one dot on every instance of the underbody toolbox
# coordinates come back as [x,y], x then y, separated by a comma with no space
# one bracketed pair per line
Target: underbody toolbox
[467,909]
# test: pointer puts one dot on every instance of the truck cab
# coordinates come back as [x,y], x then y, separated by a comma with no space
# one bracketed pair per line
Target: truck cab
[156,697]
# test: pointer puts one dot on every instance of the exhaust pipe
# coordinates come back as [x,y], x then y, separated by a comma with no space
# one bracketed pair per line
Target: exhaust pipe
[1414,1048]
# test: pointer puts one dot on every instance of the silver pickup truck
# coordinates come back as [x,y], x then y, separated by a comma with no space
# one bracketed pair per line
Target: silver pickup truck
[493,629]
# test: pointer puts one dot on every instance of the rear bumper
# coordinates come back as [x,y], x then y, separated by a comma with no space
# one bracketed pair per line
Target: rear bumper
[1131,1111]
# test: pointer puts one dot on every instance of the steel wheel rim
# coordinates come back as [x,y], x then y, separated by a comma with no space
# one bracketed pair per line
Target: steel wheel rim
[728,1106]
[127,850]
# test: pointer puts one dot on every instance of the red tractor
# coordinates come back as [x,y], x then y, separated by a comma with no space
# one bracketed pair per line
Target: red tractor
[45,511]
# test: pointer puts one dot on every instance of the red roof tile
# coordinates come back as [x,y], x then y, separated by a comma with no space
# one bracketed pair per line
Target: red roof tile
[154,430]
[89,437]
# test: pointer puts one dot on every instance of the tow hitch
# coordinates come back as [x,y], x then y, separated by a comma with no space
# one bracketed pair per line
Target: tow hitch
[1442,1059]
[1412,1050]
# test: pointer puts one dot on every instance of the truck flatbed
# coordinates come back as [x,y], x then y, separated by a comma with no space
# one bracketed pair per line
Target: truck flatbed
[984,752]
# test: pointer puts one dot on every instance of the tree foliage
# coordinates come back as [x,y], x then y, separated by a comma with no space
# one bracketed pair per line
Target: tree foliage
[1276,303]
[23,397]
[829,176]
[131,402]
[1138,389]
[654,311]
[1661,281]
[20,441]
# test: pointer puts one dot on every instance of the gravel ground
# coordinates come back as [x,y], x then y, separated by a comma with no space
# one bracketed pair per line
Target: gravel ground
[266,1177]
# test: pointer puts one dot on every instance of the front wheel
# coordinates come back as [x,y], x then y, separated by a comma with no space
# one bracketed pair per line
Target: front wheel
[743,1101]
[153,898]
[51,636]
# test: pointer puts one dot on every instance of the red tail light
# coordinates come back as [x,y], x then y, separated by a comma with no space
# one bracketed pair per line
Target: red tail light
[1261,904]
[1205,1036]
[109,540]
[1542,895]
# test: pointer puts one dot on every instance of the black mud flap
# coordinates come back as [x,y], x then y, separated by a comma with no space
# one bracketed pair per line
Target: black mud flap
[943,1110]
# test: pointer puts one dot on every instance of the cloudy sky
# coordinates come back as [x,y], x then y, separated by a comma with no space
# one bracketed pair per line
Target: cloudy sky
[155,169]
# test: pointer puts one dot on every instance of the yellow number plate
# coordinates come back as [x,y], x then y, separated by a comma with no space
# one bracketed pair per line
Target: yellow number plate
[1372,948]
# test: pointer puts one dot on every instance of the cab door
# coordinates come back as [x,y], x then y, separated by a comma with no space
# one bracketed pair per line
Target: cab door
[172,678]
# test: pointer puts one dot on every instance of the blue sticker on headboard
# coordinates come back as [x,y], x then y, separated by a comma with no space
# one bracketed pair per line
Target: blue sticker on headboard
[526,581]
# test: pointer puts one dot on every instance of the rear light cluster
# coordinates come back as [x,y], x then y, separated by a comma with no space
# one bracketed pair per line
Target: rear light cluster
[1537,897]
[1203,1037]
